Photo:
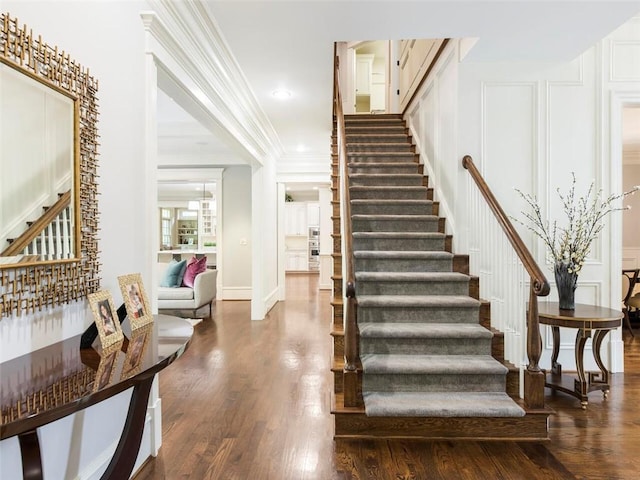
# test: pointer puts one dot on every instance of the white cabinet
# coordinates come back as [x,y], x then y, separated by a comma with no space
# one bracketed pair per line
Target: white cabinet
[295,218]
[207,217]
[296,260]
[313,214]
[207,224]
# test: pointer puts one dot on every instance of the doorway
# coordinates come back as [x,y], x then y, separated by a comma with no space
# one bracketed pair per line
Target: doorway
[372,76]
[631,218]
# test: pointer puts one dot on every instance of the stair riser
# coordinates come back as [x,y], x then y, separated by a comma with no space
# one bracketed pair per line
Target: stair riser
[394,225]
[338,346]
[382,138]
[414,193]
[359,208]
[382,147]
[418,315]
[401,265]
[372,168]
[379,120]
[411,288]
[380,168]
[354,426]
[426,346]
[379,130]
[433,383]
[337,313]
[412,180]
[400,244]
[382,158]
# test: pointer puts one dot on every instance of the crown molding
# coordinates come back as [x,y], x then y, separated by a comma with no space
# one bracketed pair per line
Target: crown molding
[190,37]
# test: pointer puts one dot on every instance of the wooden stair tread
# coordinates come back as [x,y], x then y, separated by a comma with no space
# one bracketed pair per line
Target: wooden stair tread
[353,423]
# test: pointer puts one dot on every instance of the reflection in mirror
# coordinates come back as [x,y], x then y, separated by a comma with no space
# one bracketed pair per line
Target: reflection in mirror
[37,165]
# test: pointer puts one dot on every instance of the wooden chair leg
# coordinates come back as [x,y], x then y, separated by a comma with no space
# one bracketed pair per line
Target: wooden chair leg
[627,320]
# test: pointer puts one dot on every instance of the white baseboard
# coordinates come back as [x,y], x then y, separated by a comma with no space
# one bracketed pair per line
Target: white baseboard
[236,293]
[617,355]
[155,413]
[271,299]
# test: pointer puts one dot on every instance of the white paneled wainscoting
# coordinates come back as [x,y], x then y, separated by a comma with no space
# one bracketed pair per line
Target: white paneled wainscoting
[528,126]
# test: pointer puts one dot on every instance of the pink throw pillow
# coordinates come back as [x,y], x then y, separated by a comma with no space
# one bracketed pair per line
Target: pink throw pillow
[194,267]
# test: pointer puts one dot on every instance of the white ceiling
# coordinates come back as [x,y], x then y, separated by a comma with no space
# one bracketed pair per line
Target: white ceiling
[289,44]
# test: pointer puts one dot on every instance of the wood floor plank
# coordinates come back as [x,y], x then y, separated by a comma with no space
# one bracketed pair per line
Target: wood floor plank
[250,401]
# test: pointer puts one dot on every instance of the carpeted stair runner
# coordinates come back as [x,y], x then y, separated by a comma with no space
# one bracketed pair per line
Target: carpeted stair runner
[423,351]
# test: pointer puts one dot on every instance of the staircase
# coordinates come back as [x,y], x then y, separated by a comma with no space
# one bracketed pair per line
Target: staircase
[430,365]
[49,237]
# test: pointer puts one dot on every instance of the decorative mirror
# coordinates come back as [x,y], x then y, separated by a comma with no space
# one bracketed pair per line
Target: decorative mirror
[48,160]
[38,158]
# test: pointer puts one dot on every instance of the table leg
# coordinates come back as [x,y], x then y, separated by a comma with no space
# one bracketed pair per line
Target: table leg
[126,453]
[581,386]
[556,368]
[601,378]
[30,453]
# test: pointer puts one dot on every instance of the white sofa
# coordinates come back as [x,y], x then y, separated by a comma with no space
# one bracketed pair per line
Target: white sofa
[187,298]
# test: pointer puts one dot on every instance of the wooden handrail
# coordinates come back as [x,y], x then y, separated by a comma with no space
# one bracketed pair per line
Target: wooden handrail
[20,243]
[534,377]
[540,283]
[350,327]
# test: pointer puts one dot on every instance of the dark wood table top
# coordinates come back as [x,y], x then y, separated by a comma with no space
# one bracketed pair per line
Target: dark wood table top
[584,316]
[60,379]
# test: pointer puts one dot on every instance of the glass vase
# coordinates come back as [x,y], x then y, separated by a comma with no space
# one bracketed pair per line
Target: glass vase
[566,282]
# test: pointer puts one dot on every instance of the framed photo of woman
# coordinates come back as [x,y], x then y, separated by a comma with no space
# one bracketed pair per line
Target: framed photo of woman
[135,300]
[135,351]
[105,317]
[104,374]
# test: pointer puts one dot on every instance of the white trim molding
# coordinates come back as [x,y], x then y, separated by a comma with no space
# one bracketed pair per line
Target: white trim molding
[184,38]
[236,293]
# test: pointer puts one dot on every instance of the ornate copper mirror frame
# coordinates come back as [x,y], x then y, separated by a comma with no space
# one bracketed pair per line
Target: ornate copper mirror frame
[30,287]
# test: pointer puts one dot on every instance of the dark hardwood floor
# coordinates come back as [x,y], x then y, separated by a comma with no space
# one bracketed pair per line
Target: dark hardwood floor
[250,400]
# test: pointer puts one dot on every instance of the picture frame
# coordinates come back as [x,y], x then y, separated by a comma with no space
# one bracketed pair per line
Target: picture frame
[105,370]
[136,350]
[135,300]
[106,320]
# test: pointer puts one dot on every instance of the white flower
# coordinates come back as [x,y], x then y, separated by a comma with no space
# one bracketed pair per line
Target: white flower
[570,244]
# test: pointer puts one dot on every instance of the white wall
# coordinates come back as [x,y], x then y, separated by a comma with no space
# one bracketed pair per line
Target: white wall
[326,240]
[528,125]
[631,224]
[432,119]
[236,233]
[117,61]
[36,153]
[265,237]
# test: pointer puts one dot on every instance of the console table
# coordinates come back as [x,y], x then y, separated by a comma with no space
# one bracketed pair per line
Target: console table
[61,379]
[586,319]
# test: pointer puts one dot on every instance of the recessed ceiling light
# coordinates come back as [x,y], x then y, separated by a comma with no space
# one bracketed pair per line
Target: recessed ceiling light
[281,94]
